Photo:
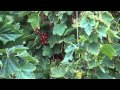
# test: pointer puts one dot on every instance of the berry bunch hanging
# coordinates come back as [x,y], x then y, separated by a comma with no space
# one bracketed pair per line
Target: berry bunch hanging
[56,57]
[43,38]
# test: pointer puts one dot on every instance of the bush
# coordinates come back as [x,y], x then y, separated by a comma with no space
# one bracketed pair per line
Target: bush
[59,44]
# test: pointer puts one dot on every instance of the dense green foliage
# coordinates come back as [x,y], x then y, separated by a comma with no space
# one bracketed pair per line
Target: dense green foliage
[59,44]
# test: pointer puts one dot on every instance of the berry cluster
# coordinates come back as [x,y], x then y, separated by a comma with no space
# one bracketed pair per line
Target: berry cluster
[36,30]
[56,57]
[43,38]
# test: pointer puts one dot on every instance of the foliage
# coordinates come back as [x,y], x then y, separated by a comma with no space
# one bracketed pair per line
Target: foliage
[59,44]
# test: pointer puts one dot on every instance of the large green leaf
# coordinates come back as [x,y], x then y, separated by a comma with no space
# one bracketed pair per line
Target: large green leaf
[69,54]
[88,30]
[69,31]
[91,64]
[58,72]
[8,33]
[26,56]
[84,22]
[57,49]
[42,69]
[26,71]
[87,24]
[34,19]
[102,75]
[18,48]
[94,48]
[59,29]
[8,37]
[107,17]
[70,38]
[70,48]
[108,50]
[102,31]
[93,38]
[53,40]
[12,67]
[107,62]
[47,51]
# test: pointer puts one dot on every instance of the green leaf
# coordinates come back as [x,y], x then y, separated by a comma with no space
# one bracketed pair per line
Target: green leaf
[7,33]
[34,19]
[69,31]
[93,38]
[88,30]
[58,72]
[87,24]
[108,50]
[101,31]
[102,75]
[91,64]
[26,56]
[42,69]
[70,38]
[19,48]
[117,49]
[23,13]
[12,67]
[94,48]
[70,48]
[107,17]
[68,56]
[113,34]
[117,65]
[53,40]
[92,22]
[8,37]
[107,62]
[102,68]
[84,22]
[26,71]
[59,29]
[47,51]
[57,49]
